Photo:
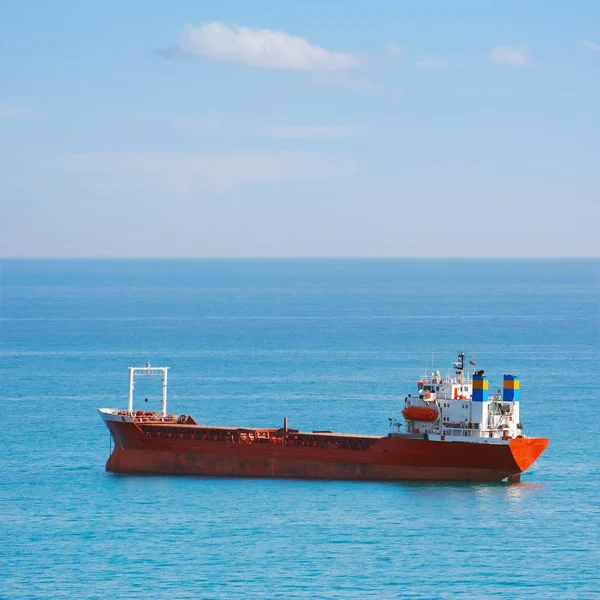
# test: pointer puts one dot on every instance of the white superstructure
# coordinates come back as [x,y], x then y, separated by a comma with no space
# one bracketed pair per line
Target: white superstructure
[460,406]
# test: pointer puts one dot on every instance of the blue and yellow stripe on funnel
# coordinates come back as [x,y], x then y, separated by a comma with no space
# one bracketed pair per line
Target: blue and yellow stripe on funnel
[480,388]
[511,391]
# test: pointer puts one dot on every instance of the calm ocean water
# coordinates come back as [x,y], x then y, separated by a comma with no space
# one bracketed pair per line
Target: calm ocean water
[330,345]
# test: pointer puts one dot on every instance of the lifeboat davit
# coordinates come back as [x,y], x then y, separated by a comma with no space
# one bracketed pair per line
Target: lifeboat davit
[420,413]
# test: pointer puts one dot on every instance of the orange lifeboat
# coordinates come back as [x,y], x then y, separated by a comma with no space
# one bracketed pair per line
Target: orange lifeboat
[420,413]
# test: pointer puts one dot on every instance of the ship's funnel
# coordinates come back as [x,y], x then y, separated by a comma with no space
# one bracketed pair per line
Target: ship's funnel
[511,391]
[480,388]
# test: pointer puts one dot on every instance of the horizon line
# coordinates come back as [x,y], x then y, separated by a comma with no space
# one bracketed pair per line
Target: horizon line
[304,257]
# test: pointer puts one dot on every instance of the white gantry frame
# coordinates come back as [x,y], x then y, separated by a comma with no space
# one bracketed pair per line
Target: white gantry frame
[148,370]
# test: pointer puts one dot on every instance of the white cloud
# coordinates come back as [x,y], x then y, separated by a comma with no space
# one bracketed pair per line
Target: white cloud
[305,132]
[592,45]
[504,55]
[211,124]
[262,48]
[207,123]
[430,63]
[13,111]
[347,82]
[393,49]
[184,175]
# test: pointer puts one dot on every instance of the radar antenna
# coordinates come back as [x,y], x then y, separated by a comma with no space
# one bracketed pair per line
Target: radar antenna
[459,365]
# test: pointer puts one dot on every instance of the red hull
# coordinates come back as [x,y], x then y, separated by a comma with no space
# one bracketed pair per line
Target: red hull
[386,458]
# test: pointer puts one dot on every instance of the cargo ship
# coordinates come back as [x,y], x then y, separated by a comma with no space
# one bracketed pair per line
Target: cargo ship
[452,429]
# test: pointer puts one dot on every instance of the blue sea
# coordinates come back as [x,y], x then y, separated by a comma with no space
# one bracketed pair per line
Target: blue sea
[331,344]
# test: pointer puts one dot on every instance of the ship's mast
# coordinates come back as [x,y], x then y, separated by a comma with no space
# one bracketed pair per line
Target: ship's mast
[148,370]
[459,365]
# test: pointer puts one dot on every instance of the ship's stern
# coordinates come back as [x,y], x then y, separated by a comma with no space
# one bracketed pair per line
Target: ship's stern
[525,452]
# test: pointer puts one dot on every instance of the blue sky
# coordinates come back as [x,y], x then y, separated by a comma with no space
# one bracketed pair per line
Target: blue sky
[314,128]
